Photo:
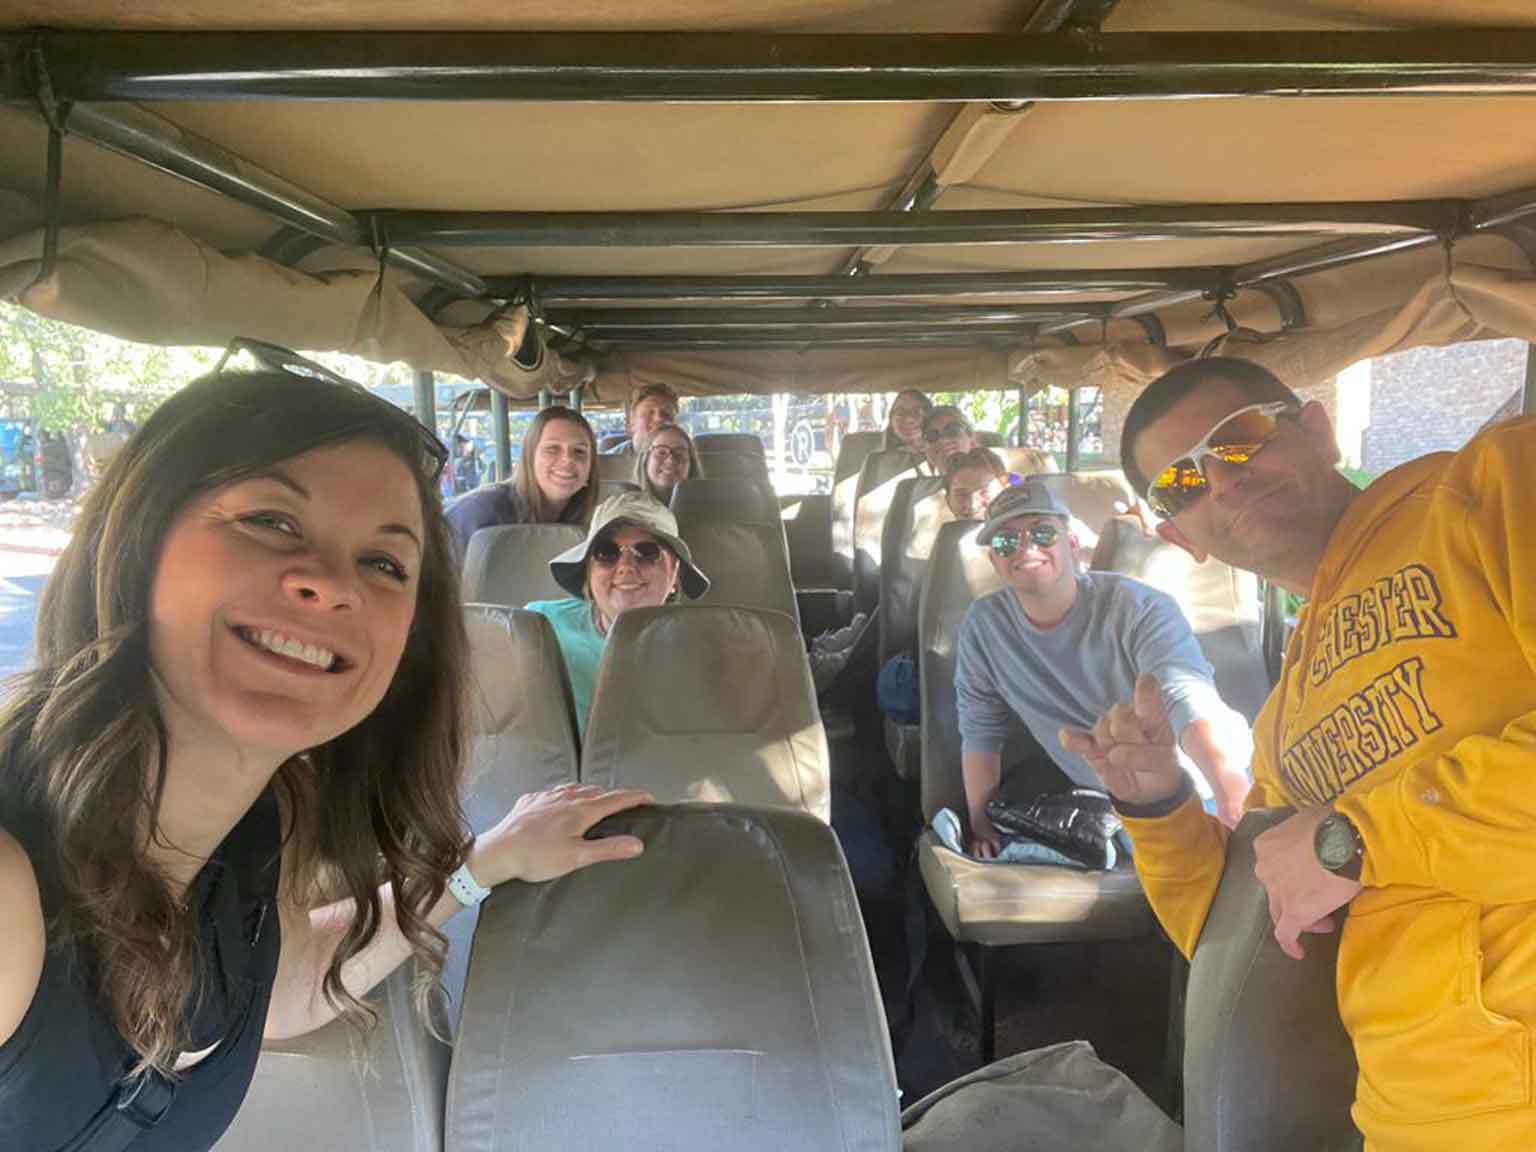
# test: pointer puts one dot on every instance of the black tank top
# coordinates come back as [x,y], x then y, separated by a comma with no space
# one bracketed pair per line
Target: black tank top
[62,1074]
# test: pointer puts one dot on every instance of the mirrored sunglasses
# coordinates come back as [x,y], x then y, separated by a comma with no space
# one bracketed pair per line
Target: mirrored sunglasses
[1008,541]
[606,553]
[948,432]
[1235,440]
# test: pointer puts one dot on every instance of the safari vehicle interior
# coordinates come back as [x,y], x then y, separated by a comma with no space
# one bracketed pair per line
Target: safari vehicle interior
[564,201]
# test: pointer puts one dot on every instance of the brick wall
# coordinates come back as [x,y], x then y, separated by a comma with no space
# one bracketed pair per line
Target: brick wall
[1435,399]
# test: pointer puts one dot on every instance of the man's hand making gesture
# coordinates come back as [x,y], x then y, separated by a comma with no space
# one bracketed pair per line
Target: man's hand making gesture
[1132,748]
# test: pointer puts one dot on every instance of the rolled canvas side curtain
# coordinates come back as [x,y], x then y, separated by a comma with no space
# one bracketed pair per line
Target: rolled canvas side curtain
[144,280]
[806,371]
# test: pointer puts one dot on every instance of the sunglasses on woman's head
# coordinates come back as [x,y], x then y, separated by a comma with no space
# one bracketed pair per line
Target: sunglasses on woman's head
[276,358]
[948,432]
[1235,440]
[606,553]
[1008,540]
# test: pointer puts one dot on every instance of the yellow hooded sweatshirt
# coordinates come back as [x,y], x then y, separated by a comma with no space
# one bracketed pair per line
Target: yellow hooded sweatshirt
[1408,701]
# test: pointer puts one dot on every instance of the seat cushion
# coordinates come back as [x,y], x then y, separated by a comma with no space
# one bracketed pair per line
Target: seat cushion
[1063,1096]
[1000,904]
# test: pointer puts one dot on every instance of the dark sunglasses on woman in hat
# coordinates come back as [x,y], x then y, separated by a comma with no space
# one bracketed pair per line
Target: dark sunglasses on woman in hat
[1237,439]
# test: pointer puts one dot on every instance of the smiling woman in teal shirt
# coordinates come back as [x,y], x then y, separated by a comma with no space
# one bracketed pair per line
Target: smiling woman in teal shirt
[632,558]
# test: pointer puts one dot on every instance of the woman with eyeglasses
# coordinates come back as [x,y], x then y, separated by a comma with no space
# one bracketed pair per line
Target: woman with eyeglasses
[632,558]
[554,482]
[667,458]
[904,424]
[249,688]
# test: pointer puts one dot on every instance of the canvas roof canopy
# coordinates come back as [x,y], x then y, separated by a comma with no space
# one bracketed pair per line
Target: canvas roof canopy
[786,195]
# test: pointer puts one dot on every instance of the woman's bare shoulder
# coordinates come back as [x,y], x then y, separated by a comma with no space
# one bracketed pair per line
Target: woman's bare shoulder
[21,911]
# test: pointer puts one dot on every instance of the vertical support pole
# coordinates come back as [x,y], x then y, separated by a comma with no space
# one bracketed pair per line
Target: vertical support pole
[1021,426]
[1528,401]
[986,978]
[576,397]
[545,399]
[501,433]
[1074,427]
[426,399]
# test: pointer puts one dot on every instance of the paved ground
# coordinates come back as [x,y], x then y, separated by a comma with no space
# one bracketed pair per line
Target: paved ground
[32,534]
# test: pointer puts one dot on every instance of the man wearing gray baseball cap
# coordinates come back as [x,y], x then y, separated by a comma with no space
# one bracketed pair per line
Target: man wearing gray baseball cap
[1057,648]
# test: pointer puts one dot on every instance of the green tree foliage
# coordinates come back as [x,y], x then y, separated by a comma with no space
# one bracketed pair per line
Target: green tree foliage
[73,378]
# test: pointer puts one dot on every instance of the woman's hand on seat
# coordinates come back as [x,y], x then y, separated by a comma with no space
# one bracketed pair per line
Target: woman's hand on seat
[544,836]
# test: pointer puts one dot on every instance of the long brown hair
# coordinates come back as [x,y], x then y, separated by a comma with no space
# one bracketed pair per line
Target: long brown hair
[579,509]
[379,803]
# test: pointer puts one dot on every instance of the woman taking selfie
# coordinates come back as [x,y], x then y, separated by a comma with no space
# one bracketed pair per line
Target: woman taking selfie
[249,685]
[552,484]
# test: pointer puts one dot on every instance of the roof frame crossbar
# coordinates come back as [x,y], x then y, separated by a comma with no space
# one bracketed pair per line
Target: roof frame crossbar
[923,186]
[645,319]
[579,292]
[726,66]
[1394,219]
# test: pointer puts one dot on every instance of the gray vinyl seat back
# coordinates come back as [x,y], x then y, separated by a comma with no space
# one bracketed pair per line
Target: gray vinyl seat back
[509,564]
[855,449]
[744,499]
[1029,461]
[616,466]
[715,993]
[608,488]
[878,479]
[708,703]
[1092,498]
[753,466]
[959,572]
[524,738]
[338,1088]
[1220,602]
[912,525]
[741,443]
[747,563]
[1268,1066]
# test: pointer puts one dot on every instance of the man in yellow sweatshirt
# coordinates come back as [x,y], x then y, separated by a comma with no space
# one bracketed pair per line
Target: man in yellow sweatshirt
[1403,732]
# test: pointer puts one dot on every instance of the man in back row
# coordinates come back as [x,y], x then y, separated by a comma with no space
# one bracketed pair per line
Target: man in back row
[1403,732]
[1055,647]
[649,407]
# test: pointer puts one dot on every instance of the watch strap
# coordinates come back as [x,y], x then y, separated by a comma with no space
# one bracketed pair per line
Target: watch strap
[466,889]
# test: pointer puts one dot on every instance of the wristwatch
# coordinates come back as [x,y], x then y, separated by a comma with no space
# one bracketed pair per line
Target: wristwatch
[1338,846]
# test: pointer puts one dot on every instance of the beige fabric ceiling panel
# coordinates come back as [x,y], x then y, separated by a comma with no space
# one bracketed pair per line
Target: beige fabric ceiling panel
[575,157]
[1281,15]
[779,15]
[100,185]
[551,15]
[1210,151]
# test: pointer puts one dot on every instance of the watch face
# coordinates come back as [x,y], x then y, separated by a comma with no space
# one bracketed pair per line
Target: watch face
[1336,844]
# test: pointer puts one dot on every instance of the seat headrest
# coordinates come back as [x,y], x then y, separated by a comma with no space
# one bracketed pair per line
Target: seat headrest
[743,499]
[855,449]
[1029,461]
[1091,497]
[520,697]
[700,702]
[747,564]
[727,463]
[509,564]
[740,442]
[714,993]
[616,466]
[383,1090]
[1268,1066]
